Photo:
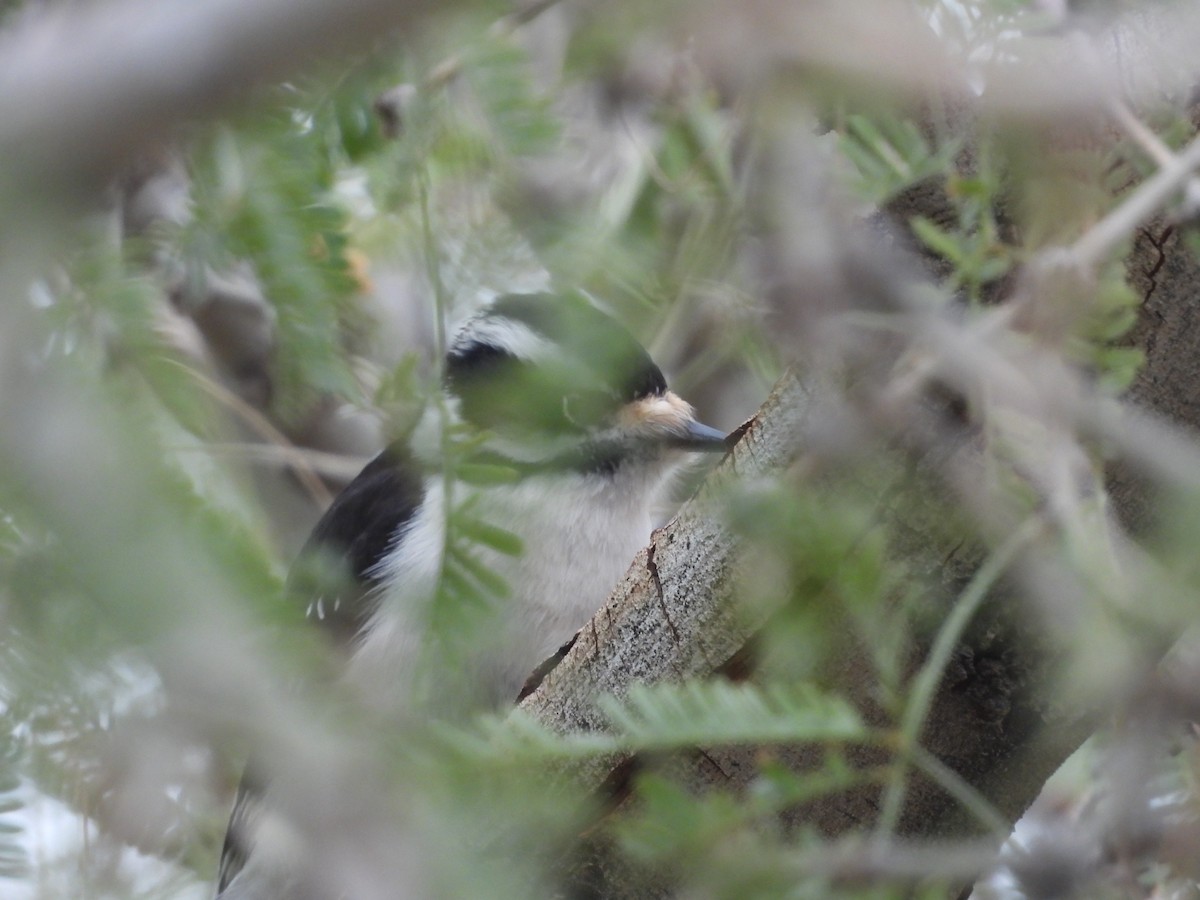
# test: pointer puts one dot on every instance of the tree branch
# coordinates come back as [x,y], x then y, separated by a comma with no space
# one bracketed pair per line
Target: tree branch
[672,616]
[81,91]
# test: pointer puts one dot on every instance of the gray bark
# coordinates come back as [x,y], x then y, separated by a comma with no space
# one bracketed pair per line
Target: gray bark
[995,720]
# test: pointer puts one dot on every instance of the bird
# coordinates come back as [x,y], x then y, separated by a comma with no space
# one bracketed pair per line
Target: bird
[578,434]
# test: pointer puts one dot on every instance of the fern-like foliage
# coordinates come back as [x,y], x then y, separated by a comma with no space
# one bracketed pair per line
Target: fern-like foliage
[264,196]
[890,154]
[672,717]
[14,862]
[666,716]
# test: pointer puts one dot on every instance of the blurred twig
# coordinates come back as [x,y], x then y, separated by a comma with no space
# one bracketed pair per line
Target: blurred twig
[333,466]
[84,87]
[449,68]
[297,460]
[925,684]
[1100,241]
[855,861]
[391,104]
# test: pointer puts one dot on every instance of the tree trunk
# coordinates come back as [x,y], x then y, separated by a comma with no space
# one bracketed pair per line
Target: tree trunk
[994,720]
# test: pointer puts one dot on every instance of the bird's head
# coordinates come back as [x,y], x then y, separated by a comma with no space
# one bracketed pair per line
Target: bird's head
[556,383]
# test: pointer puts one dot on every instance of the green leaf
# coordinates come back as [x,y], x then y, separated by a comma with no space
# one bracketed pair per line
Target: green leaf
[489,580]
[941,242]
[672,821]
[498,539]
[719,712]
[485,474]
[884,150]
[865,161]
[458,590]
[991,269]
[1119,365]
[891,153]
[518,114]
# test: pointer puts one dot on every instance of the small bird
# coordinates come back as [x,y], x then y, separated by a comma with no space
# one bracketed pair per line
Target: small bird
[562,402]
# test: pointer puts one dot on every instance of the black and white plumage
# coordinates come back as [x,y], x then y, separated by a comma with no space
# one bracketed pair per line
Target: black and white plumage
[553,390]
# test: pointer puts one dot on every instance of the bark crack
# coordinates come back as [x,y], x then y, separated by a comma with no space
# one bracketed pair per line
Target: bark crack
[652,568]
[716,765]
[1158,242]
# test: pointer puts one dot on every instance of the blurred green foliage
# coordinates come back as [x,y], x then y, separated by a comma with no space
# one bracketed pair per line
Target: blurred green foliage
[310,191]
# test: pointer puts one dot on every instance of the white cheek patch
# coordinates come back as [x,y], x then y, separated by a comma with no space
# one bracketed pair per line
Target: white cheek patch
[666,413]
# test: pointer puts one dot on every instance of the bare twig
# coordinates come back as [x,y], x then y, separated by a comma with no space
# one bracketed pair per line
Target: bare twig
[391,104]
[326,465]
[1150,142]
[1100,241]
[82,89]
[262,426]
[860,861]
[927,680]
[448,68]
[1153,146]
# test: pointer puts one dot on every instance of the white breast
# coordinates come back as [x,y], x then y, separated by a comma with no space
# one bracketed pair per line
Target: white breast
[579,534]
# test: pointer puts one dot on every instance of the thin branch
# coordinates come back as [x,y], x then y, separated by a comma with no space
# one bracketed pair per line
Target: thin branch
[335,466]
[390,104]
[858,861]
[82,90]
[262,426]
[1100,241]
[924,686]
[506,25]
[965,793]
[1145,138]
[1152,145]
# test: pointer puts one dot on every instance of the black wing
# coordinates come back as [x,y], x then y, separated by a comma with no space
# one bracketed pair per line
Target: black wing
[333,575]
[336,567]
[235,849]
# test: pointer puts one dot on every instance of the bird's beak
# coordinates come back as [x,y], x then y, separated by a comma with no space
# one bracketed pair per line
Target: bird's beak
[701,438]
